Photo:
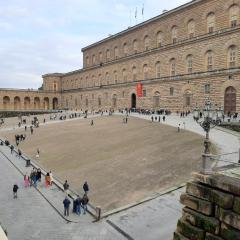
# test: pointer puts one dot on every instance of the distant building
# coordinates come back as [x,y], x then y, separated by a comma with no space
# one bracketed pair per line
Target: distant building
[181,58]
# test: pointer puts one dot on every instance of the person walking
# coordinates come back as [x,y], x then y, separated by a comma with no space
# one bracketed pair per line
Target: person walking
[85,187]
[66,186]
[47,180]
[179,127]
[85,201]
[39,174]
[152,118]
[92,123]
[78,203]
[38,153]
[26,180]
[50,178]
[12,148]
[66,204]
[15,189]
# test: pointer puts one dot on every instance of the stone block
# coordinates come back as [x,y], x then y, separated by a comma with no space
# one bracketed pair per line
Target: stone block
[220,181]
[229,233]
[178,236]
[190,231]
[236,205]
[197,204]
[222,199]
[210,236]
[209,224]
[198,190]
[230,218]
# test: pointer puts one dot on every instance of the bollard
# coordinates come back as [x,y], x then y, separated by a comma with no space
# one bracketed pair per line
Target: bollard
[98,213]
[28,163]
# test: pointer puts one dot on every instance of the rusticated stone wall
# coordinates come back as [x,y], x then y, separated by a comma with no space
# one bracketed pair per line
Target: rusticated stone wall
[212,209]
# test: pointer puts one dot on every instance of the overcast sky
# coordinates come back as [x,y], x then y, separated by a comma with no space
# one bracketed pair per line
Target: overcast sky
[46,36]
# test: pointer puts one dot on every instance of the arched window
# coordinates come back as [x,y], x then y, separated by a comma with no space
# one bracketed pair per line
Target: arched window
[100,79]
[189,64]
[146,43]
[108,55]
[99,101]
[115,76]
[209,60]
[174,34]
[232,56]
[134,73]
[116,52]
[135,46]
[124,74]
[156,100]
[159,39]
[234,15]
[93,59]
[145,71]
[125,49]
[172,66]
[107,78]
[93,81]
[87,60]
[100,57]
[191,28]
[158,70]
[211,22]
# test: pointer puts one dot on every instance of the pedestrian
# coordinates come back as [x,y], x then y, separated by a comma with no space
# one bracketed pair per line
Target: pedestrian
[50,178]
[12,148]
[35,179]
[39,175]
[152,118]
[126,119]
[19,153]
[85,187]
[26,180]
[15,189]
[66,204]
[38,153]
[164,118]
[159,119]
[178,127]
[25,128]
[31,128]
[31,178]
[66,186]
[47,180]
[92,122]
[85,201]
[78,203]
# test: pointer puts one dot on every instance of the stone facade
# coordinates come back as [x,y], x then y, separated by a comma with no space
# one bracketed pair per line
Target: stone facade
[181,58]
[212,209]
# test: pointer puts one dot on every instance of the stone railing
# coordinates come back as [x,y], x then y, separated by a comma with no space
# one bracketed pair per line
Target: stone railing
[212,208]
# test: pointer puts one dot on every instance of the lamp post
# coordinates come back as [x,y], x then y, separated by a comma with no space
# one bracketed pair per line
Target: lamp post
[211,117]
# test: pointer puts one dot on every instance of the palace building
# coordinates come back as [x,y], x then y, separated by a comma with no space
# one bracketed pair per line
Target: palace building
[178,60]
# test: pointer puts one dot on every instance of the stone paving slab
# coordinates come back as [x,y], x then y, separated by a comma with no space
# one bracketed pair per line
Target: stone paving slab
[152,220]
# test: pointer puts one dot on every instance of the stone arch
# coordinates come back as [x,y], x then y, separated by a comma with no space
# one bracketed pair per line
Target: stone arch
[114,100]
[17,103]
[27,103]
[46,104]
[6,102]
[230,100]
[156,99]
[55,103]
[188,99]
[36,103]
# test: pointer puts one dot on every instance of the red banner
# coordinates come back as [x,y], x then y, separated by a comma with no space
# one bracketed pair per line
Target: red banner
[139,90]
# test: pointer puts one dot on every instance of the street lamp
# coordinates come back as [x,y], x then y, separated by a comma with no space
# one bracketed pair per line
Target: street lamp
[212,116]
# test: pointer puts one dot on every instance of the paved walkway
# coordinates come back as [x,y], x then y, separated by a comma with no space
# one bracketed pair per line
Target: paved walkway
[32,217]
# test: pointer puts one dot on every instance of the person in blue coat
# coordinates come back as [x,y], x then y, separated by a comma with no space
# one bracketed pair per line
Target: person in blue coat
[66,204]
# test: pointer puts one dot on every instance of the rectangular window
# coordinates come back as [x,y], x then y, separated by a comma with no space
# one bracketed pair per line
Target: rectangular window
[207,88]
[233,23]
[171,91]
[191,35]
[211,29]
[144,92]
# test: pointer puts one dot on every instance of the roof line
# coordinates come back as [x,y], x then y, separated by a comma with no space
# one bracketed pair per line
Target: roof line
[143,23]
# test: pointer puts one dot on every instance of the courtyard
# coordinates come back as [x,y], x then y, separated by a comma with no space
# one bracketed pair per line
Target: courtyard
[123,163]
